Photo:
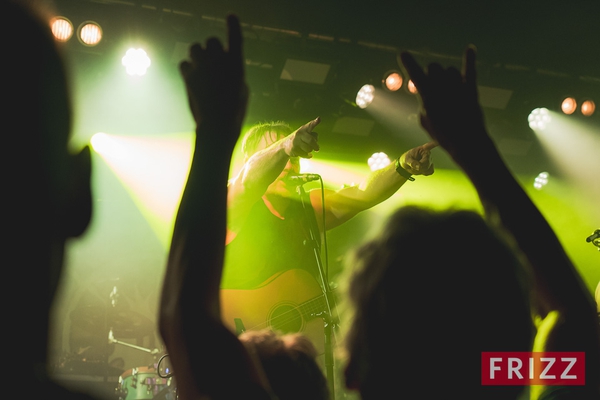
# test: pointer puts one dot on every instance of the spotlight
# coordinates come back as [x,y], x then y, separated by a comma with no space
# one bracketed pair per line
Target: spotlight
[378,161]
[588,107]
[305,165]
[541,180]
[568,105]
[365,95]
[89,33]
[62,28]
[107,146]
[410,86]
[136,62]
[392,81]
[539,118]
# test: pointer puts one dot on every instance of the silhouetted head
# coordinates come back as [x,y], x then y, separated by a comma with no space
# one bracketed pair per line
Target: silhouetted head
[48,187]
[289,362]
[430,293]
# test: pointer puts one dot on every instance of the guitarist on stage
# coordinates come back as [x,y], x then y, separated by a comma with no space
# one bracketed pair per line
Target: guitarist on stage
[270,224]
[267,224]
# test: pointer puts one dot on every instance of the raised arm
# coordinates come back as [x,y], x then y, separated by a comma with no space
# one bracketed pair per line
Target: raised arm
[453,117]
[208,360]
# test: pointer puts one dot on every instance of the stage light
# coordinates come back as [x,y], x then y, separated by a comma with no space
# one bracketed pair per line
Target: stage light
[136,62]
[539,118]
[365,96]
[89,33]
[62,28]
[568,105]
[107,146]
[392,81]
[541,180]
[410,86]
[305,165]
[378,161]
[588,107]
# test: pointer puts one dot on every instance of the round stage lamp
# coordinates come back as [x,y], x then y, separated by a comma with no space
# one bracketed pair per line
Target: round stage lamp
[588,108]
[378,161]
[410,86]
[392,81]
[89,33]
[568,105]
[136,62]
[365,96]
[539,118]
[62,28]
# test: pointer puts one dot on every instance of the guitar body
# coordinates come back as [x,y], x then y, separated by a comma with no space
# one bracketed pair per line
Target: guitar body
[291,301]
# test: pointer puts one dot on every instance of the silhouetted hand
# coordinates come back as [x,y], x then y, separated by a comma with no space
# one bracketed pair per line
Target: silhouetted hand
[418,161]
[303,141]
[214,78]
[450,110]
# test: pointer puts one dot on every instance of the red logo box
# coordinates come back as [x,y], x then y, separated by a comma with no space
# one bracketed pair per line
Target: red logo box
[533,368]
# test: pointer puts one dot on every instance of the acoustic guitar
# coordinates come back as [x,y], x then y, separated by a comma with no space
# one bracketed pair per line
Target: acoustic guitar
[291,301]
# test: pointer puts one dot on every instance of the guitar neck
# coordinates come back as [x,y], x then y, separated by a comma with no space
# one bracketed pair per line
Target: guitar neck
[314,308]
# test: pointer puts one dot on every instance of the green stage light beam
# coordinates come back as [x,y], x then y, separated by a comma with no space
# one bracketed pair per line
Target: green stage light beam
[153,170]
[573,147]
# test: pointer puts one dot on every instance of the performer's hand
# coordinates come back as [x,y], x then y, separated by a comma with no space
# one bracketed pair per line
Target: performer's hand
[303,141]
[418,161]
[215,83]
[450,110]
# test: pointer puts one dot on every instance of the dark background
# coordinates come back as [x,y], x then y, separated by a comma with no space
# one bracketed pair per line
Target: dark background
[537,51]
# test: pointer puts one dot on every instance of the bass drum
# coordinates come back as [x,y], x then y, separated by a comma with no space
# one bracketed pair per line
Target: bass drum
[144,383]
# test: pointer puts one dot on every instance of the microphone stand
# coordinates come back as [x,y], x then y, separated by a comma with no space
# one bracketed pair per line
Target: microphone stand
[327,314]
[594,239]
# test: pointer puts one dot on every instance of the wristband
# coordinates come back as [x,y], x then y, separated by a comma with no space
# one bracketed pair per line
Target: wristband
[402,172]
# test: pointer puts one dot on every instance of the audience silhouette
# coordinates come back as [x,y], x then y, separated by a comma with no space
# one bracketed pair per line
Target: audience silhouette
[437,288]
[429,294]
[47,189]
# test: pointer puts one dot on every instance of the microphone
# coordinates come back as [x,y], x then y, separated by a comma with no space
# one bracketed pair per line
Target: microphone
[303,178]
[593,236]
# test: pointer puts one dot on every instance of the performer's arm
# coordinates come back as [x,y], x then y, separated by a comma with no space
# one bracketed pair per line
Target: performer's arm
[343,204]
[263,167]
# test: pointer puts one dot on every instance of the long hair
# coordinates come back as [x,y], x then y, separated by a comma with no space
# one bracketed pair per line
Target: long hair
[277,130]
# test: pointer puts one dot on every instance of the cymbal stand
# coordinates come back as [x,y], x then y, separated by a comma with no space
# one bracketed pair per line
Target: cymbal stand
[111,339]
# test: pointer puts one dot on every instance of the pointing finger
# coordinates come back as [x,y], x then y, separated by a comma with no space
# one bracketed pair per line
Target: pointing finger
[430,145]
[309,126]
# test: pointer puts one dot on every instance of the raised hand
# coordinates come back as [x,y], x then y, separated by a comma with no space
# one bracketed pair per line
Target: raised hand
[418,161]
[215,83]
[450,111]
[303,141]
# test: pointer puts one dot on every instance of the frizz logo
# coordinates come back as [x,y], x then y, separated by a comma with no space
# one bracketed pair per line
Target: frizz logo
[538,368]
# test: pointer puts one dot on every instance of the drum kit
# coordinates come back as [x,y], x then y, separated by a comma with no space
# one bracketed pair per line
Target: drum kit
[154,381]
[145,383]
[90,323]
